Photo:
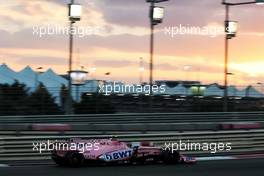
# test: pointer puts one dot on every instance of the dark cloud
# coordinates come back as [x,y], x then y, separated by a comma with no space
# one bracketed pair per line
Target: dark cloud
[128,13]
[192,12]
[135,13]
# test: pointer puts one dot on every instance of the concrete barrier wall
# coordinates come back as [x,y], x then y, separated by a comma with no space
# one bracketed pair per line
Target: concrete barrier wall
[243,141]
[133,127]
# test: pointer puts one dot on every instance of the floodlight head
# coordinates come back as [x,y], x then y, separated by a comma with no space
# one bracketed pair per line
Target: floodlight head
[157,15]
[78,77]
[75,11]
[231,28]
[156,1]
[260,2]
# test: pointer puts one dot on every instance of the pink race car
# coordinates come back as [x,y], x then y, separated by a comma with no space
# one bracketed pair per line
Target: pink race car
[77,152]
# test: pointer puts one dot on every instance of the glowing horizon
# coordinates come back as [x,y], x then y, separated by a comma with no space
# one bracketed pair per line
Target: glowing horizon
[123,38]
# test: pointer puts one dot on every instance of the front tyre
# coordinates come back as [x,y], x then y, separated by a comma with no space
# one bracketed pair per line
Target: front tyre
[59,161]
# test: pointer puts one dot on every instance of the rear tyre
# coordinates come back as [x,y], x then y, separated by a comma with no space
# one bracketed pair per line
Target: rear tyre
[135,159]
[75,159]
[169,157]
[60,161]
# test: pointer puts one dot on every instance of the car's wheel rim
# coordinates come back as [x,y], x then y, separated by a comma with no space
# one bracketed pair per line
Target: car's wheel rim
[75,159]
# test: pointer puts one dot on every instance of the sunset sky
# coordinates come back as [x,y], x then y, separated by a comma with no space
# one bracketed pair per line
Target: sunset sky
[123,38]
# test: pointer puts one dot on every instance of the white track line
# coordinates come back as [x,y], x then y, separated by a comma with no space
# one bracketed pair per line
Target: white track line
[4,165]
[214,158]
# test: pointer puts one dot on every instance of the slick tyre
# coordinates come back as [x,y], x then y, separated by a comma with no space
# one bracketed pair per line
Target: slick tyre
[169,157]
[75,159]
[59,162]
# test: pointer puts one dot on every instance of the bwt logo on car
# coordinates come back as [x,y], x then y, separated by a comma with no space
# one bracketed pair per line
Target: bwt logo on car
[118,155]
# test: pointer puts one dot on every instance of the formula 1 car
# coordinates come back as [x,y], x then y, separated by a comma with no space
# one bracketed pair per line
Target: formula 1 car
[77,152]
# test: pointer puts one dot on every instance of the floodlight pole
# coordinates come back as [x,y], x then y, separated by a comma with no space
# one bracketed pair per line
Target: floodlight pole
[227,4]
[69,109]
[152,5]
[226,63]
[152,24]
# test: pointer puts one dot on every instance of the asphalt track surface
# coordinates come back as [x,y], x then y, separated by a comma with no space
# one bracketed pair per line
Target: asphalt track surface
[244,167]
